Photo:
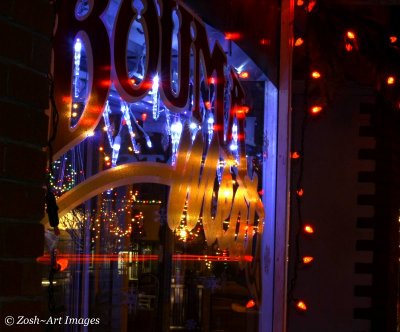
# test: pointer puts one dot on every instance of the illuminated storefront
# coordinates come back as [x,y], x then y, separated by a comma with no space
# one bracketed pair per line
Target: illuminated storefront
[165,157]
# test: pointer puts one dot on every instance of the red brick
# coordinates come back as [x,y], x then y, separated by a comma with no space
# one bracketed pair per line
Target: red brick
[18,43]
[21,201]
[21,239]
[26,278]
[22,124]
[36,15]
[28,87]
[13,162]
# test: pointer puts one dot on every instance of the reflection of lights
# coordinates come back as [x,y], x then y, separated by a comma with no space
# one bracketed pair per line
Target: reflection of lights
[232,35]
[115,152]
[63,262]
[193,125]
[244,74]
[176,131]
[183,234]
[101,258]
[46,282]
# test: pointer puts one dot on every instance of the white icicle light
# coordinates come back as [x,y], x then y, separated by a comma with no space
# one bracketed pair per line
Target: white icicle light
[115,152]
[77,63]
[156,102]
[176,131]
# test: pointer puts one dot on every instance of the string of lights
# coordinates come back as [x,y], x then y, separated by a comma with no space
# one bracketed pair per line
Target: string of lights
[324,65]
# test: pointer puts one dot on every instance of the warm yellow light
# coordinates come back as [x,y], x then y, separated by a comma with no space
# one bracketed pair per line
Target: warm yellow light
[307,259]
[308,229]
[75,106]
[390,80]
[74,114]
[106,158]
[299,41]
[301,305]
[315,74]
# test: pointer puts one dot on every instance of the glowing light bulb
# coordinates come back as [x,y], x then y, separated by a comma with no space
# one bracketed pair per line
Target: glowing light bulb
[301,305]
[78,45]
[250,304]
[295,155]
[193,125]
[74,114]
[351,35]
[156,81]
[232,35]
[307,259]
[316,109]
[308,229]
[299,41]
[75,106]
[393,39]
[300,192]
[390,80]
[315,74]
[244,74]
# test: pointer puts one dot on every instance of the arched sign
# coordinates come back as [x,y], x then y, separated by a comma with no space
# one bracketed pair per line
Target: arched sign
[199,67]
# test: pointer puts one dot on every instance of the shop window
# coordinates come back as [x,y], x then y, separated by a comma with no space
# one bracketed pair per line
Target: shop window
[159,189]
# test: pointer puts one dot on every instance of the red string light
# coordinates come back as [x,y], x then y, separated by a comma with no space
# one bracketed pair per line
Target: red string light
[307,259]
[308,229]
[299,41]
[301,305]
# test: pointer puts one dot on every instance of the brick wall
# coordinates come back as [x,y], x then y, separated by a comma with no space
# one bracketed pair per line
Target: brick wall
[25,53]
